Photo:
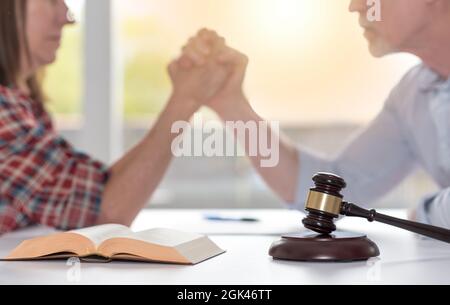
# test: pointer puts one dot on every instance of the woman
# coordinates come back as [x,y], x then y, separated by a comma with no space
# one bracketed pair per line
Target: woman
[43,179]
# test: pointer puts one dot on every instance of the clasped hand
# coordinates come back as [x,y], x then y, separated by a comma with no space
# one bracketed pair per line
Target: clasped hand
[208,73]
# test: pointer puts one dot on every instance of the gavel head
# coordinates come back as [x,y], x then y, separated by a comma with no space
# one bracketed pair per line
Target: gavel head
[324,203]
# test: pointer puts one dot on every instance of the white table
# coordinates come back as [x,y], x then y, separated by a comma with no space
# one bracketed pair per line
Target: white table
[404,259]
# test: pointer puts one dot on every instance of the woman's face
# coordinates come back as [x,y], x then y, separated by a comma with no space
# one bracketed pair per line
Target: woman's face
[45,20]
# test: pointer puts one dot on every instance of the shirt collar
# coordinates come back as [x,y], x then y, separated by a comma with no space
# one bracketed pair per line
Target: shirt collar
[431,81]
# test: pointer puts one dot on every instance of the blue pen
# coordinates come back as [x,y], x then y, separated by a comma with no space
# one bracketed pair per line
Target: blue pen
[220,218]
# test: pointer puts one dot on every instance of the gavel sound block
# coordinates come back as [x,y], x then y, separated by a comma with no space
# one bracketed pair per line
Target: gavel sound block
[325,204]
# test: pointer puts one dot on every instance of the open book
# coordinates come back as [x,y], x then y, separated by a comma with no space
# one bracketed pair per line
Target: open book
[111,242]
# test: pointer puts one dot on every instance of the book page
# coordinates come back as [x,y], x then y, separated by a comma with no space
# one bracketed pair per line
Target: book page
[166,237]
[99,234]
[162,245]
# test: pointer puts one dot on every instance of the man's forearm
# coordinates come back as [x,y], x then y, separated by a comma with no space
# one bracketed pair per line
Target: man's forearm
[437,211]
[135,177]
[282,178]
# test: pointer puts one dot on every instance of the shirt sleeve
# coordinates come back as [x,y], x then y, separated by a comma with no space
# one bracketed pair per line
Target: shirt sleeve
[435,209]
[375,161]
[43,180]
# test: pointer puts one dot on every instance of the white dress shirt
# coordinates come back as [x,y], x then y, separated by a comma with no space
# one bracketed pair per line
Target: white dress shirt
[413,129]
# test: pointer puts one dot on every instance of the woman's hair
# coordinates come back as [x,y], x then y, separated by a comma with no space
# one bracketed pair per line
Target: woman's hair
[12,34]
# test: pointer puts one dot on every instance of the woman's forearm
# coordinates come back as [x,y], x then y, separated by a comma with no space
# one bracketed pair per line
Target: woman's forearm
[282,178]
[135,177]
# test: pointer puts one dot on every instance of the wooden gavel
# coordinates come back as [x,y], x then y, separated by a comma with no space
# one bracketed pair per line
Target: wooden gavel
[325,203]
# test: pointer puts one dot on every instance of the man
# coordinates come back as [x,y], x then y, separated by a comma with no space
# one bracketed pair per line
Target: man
[413,129]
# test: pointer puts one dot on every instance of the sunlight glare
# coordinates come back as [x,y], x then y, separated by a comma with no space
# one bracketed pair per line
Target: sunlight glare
[284,18]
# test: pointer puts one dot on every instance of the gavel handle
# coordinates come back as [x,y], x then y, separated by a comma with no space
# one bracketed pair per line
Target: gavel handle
[350,209]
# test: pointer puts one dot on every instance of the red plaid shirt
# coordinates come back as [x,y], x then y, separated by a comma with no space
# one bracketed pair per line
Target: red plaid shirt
[43,180]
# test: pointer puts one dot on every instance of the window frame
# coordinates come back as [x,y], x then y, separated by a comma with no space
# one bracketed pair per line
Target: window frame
[102,129]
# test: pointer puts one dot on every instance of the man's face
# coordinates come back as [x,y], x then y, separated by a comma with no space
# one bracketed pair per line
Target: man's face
[401,27]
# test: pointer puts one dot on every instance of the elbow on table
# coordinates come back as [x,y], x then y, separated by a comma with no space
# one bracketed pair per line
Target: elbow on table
[108,216]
